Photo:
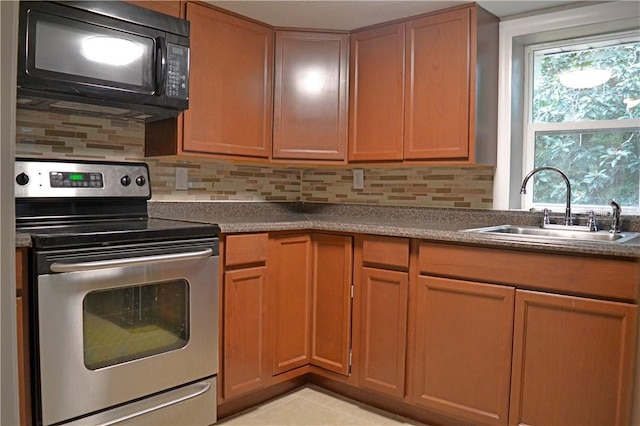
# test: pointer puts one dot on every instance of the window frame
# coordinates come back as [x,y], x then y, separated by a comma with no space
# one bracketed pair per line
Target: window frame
[515,35]
[531,128]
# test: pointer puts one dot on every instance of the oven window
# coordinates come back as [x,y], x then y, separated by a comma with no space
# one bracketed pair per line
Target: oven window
[124,324]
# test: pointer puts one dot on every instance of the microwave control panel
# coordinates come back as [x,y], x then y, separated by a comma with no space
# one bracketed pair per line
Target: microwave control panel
[177,83]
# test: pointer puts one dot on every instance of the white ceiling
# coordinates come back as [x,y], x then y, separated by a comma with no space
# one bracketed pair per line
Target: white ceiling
[352,14]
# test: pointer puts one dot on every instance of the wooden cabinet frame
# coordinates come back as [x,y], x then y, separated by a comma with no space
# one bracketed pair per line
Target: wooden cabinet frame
[244,320]
[419,75]
[471,345]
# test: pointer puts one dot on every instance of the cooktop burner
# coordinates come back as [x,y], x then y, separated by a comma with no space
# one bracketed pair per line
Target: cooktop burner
[110,232]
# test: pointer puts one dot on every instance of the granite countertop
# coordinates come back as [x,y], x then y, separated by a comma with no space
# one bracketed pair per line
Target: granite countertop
[22,240]
[444,225]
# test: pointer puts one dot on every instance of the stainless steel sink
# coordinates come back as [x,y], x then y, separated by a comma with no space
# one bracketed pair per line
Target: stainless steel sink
[560,232]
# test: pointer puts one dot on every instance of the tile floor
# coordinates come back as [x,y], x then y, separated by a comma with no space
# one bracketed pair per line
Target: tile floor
[313,406]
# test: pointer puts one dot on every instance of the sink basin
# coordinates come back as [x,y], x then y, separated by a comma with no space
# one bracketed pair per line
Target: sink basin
[544,233]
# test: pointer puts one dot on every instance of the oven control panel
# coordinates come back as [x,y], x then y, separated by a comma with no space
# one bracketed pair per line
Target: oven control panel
[53,179]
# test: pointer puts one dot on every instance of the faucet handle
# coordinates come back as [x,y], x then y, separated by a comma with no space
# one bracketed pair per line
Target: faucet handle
[592,223]
[545,219]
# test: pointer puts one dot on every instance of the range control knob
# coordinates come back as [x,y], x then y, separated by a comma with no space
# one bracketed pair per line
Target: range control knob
[125,180]
[22,179]
[140,181]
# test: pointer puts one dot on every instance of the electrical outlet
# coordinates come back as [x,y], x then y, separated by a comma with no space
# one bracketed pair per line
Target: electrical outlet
[182,178]
[358,179]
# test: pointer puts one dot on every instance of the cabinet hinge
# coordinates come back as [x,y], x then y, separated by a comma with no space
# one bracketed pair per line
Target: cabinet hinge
[350,358]
[352,291]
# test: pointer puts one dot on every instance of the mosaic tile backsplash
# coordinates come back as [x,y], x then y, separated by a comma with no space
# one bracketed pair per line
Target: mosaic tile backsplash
[60,136]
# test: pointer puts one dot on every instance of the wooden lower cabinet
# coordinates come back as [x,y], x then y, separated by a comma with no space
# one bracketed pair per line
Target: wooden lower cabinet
[573,361]
[383,331]
[245,365]
[331,302]
[290,304]
[245,331]
[22,317]
[461,362]
[435,337]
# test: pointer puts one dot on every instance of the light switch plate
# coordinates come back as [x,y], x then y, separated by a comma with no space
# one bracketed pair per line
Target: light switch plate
[358,179]
[182,178]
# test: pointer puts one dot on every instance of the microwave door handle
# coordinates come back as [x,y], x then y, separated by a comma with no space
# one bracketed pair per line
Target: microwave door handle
[161,64]
[133,261]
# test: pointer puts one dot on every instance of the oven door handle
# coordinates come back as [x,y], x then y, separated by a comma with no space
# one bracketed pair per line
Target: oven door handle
[134,261]
[200,389]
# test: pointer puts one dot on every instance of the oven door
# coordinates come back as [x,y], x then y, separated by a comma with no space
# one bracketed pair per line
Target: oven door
[111,331]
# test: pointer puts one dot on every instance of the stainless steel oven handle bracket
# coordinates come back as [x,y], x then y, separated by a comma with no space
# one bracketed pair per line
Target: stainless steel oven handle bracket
[134,261]
[202,388]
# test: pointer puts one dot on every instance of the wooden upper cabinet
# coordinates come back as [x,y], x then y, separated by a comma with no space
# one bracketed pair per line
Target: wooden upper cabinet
[230,85]
[439,70]
[310,99]
[168,7]
[573,361]
[376,113]
[415,86]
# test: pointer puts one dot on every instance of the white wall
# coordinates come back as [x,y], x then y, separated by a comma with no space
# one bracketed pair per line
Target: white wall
[9,370]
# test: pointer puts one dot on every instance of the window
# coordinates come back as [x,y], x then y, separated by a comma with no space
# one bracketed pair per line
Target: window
[532,132]
[583,104]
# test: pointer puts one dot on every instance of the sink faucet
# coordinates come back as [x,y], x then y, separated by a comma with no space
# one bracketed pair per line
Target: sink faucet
[615,217]
[567,213]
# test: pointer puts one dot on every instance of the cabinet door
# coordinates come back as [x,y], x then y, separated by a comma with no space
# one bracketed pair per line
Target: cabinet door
[437,90]
[376,82]
[310,100]
[463,337]
[230,85]
[573,361]
[245,364]
[383,330]
[331,302]
[291,301]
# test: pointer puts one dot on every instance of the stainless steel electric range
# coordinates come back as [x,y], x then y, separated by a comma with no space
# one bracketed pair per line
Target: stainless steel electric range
[123,307]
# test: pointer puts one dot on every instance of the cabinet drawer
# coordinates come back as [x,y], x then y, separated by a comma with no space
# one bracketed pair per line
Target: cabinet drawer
[601,277]
[245,249]
[385,251]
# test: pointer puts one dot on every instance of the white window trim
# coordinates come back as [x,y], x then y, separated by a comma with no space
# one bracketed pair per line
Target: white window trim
[531,128]
[619,15]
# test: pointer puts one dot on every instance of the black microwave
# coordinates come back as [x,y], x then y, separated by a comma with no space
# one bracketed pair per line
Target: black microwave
[102,57]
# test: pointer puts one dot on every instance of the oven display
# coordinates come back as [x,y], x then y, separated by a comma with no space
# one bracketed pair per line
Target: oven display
[76,180]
